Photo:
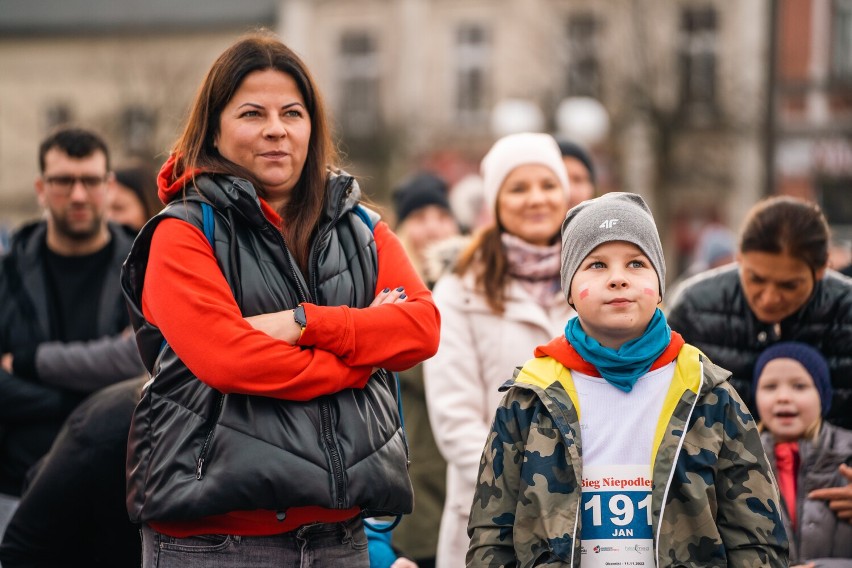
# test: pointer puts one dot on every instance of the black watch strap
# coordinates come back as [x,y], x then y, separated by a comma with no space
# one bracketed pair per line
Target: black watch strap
[299,316]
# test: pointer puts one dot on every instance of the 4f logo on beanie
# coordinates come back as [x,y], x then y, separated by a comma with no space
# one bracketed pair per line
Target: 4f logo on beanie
[608,224]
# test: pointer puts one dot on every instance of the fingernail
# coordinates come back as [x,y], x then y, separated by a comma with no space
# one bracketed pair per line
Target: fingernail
[402,296]
[400,289]
[386,290]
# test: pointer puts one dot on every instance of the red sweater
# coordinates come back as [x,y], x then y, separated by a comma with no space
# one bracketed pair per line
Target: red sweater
[343,345]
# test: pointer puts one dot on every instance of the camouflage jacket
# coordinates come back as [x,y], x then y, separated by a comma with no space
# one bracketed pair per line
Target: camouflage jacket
[714,498]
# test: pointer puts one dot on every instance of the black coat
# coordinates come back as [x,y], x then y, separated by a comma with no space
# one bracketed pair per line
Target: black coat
[72,513]
[32,412]
[711,312]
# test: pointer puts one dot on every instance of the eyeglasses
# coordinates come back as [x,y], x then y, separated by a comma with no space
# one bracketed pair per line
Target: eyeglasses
[65,184]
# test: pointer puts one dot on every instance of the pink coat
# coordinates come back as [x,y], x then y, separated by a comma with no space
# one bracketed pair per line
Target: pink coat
[478,352]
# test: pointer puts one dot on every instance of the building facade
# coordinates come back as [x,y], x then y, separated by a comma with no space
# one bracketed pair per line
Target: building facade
[414,83]
[810,149]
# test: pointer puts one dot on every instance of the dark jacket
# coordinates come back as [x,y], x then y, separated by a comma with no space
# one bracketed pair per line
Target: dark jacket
[711,312]
[72,513]
[195,452]
[32,411]
[819,536]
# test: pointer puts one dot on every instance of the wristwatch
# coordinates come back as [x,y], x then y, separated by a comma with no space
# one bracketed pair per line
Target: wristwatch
[299,316]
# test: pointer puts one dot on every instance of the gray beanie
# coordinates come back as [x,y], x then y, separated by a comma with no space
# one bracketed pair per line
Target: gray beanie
[613,216]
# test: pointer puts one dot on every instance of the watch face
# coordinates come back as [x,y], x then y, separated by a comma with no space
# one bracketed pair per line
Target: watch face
[299,316]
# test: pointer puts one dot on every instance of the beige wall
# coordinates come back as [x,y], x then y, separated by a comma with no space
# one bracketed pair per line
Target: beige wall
[96,77]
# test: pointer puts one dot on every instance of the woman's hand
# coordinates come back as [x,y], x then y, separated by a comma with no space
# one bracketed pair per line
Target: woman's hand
[279,325]
[388,296]
[839,498]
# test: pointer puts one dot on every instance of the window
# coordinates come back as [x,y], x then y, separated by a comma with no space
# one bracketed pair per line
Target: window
[698,56]
[359,89]
[583,76]
[56,115]
[471,74]
[139,125]
[841,41]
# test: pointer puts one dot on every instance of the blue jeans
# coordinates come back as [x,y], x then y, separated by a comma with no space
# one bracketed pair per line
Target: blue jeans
[333,544]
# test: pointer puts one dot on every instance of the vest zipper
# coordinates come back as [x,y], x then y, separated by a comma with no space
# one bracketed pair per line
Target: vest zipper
[325,407]
[303,296]
[333,453]
[327,432]
[207,439]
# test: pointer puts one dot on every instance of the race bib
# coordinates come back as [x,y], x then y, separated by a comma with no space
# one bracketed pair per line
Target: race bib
[616,513]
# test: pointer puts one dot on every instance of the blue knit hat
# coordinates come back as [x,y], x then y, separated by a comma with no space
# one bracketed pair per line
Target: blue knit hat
[811,359]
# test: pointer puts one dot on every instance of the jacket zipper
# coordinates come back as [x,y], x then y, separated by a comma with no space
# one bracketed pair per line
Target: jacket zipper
[199,467]
[207,439]
[326,430]
[674,465]
[333,452]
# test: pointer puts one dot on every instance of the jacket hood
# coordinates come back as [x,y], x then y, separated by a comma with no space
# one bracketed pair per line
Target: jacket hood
[167,185]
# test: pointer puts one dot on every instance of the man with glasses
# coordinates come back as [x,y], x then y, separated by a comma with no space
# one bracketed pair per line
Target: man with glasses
[63,321]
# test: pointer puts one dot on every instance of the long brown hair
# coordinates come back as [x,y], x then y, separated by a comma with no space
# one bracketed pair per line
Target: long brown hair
[195,148]
[486,257]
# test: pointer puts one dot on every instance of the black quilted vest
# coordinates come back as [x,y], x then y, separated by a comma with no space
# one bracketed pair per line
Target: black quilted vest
[195,452]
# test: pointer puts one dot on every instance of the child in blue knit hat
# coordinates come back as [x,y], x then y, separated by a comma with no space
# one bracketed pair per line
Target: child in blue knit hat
[793,392]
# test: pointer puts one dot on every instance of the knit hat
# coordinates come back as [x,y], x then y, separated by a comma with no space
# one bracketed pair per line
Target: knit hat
[810,358]
[516,150]
[611,217]
[569,149]
[422,190]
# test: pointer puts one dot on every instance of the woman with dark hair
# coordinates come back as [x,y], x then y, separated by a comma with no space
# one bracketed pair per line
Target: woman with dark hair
[780,289]
[501,301]
[263,297]
[133,197]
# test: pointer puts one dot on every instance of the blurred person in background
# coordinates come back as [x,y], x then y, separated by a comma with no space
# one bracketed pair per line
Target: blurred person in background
[793,392]
[268,304]
[715,246]
[63,321]
[424,219]
[133,197]
[502,300]
[424,216]
[72,512]
[466,203]
[580,169]
[780,289]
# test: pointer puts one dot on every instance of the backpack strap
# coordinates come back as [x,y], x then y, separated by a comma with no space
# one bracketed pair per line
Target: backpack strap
[209,224]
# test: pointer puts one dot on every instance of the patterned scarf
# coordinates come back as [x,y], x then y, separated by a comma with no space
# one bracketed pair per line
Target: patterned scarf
[535,267]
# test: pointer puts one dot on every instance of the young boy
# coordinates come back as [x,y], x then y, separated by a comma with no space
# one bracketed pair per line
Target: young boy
[619,444]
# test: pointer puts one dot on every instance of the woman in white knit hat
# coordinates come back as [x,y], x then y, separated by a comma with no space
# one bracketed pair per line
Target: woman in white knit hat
[502,300]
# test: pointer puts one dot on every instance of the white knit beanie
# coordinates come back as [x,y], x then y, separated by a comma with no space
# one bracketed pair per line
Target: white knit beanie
[516,150]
